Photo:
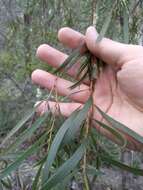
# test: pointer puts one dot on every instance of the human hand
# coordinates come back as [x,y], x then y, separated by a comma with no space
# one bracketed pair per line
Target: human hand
[119,88]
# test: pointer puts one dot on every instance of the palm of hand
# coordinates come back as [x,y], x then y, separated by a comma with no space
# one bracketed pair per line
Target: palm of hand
[120,94]
[119,88]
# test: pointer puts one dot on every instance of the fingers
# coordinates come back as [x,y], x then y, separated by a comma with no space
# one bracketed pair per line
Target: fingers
[64,109]
[50,55]
[47,80]
[55,58]
[109,51]
[70,37]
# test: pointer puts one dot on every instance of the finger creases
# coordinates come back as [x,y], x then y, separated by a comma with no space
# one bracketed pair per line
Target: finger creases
[62,86]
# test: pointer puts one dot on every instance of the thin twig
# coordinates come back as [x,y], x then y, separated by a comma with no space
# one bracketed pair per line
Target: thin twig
[94,12]
[135,7]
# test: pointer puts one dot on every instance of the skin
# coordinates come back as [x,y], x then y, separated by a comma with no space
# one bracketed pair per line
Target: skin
[118,90]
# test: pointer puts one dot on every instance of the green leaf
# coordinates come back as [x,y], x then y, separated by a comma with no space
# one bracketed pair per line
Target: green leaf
[1,186]
[124,3]
[70,61]
[19,125]
[34,148]
[116,133]
[7,184]
[42,161]
[10,156]
[119,164]
[72,123]
[84,61]
[65,169]
[66,181]
[121,127]
[81,69]
[28,132]
[79,81]
[106,24]
[56,144]
[72,131]
[37,178]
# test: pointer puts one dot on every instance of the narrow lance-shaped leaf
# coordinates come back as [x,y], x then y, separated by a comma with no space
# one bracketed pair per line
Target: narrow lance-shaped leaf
[121,127]
[19,125]
[115,132]
[84,61]
[124,3]
[28,132]
[7,184]
[42,161]
[66,181]
[55,146]
[65,169]
[119,164]
[71,60]
[68,124]
[37,178]
[11,156]
[79,81]
[106,24]
[34,148]
[1,186]
[82,68]
[72,131]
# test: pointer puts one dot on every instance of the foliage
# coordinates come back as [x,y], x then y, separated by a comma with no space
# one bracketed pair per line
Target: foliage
[63,158]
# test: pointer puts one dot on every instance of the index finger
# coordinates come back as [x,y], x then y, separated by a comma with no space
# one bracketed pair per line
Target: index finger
[107,50]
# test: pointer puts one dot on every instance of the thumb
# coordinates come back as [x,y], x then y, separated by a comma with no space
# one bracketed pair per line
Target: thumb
[107,50]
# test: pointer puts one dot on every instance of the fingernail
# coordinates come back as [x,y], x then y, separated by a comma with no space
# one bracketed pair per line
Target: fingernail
[92,31]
